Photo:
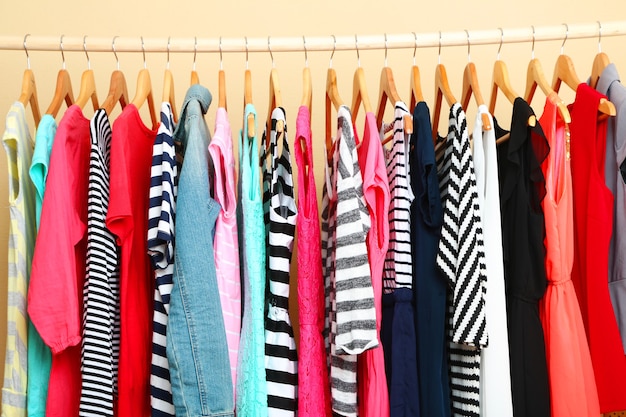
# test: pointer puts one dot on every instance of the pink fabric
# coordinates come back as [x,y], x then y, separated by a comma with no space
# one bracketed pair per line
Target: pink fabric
[313,385]
[226,244]
[55,294]
[372,381]
[572,382]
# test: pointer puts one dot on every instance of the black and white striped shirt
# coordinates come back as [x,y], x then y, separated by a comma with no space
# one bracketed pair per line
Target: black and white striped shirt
[161,215]
[352,315]
[281,358]
[461,258]
[398,271]
[101,319]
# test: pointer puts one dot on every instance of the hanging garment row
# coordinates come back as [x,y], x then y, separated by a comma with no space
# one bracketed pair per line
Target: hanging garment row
[440,278]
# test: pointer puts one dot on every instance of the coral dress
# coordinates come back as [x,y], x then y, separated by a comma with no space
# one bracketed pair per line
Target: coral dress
[572,382]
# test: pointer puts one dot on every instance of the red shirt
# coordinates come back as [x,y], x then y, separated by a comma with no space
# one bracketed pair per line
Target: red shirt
[55,294]
[127,218]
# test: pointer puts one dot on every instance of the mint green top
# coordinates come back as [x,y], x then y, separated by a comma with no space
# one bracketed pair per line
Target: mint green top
[39,356]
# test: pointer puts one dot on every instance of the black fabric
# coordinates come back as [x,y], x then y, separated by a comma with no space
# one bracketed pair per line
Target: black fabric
[522,188]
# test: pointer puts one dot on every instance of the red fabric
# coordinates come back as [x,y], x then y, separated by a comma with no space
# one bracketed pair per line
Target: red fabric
[372,381]
[572,382]
[127,218]
[55,294]
[593,221]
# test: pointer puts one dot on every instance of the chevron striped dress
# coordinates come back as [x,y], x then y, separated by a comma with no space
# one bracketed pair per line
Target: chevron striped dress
[461,259]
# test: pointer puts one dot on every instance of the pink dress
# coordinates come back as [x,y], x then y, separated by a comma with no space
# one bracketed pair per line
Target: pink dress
[372,381]
[572,382]
[313,385]
[226,244]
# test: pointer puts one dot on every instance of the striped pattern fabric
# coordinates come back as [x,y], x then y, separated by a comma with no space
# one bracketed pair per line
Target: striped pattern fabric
[161,215]
[351,302]
[281,358]
[461,259]
[398,270]
[22,231]
[101,321]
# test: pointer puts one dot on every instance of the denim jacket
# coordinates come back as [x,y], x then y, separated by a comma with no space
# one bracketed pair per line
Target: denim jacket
[196,339]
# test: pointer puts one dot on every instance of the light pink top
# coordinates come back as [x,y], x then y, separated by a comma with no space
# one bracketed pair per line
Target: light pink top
[226,244]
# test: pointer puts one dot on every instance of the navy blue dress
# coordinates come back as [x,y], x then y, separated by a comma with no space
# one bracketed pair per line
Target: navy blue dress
[429,286]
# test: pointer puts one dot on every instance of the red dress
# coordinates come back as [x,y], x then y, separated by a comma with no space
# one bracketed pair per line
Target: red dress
[572,383]
[593,218]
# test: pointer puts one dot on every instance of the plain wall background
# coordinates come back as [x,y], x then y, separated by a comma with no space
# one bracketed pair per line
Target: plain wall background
[296,18]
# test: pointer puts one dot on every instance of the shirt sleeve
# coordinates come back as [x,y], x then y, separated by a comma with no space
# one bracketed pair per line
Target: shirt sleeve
[119,216]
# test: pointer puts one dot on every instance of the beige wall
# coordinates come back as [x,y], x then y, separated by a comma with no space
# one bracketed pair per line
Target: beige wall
[286,18]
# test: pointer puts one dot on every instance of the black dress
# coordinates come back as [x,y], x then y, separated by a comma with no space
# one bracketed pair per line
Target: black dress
[522,188]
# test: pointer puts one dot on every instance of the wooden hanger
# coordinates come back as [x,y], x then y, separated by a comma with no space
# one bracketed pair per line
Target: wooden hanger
[29,89]
[247,95]
[276,99]
[221,83]
[388,91]
[63,91]
[359,94]
[144,91]
[195,79]
[118,91]
[87,84]
[332,99]
[564,72]
[535,77]
[416,86]
[307,88]
[442,89]
[600,62]
[501,82]
[168,86]
[470,86]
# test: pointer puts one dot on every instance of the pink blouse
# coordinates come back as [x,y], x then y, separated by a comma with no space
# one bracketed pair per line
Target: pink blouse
[313,388]
[226,244]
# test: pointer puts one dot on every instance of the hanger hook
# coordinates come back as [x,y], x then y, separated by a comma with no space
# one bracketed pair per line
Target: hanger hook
[62,52]
[330,64]
[221,62]
[358,56]
[469,59]
[385,49]
[565,40]
[532,51]
[195,52]
[167,65]
[501,41]
[599,37]
[439,53]
[246,52]
[415,48]
[114,52]
[85,49]
[143,51]
[26,50]
[306,54]
[270,49]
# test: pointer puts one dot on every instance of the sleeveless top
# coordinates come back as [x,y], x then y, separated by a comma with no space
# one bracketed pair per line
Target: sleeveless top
[279,205]
[251,400]
[593,218]
[313,392]
[522,188]
[572,382]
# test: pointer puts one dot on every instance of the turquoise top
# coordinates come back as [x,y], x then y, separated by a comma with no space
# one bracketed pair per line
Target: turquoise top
[251,383]
[39,356]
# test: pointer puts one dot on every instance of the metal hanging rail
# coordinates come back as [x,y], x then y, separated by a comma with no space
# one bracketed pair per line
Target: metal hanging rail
[317,43]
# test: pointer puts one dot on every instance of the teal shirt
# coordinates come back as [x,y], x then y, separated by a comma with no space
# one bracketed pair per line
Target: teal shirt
[39,356]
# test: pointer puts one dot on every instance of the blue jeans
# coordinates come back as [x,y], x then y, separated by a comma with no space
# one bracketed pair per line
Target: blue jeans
[196,338]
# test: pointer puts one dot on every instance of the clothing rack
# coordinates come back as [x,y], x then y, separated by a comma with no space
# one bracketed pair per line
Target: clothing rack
[316,43]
